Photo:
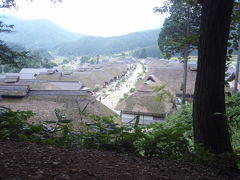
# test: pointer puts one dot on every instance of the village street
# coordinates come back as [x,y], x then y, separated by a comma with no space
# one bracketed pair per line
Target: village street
[113,96]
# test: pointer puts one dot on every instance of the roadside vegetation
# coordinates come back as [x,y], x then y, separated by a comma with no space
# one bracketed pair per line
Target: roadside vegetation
[171,139]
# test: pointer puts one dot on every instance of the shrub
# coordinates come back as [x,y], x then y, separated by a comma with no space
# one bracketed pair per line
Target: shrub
[132,90]
[96,89]
[170,139]
[125,96]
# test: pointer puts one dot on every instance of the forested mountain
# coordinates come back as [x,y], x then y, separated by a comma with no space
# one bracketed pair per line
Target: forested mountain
[44,34]
[35,34]
[92,45]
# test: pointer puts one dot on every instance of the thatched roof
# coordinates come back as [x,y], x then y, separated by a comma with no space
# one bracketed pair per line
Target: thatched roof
[144,102]
[70,106]
[14,90]
[11,79]
[67,85]
[91,76]
[47,85]
[171,74]
[51,71]
[67,72]
[23,75]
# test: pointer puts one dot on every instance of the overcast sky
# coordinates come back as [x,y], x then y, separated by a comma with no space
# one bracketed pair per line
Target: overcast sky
[94,17]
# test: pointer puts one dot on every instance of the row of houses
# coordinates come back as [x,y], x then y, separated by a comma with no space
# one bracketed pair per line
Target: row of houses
[170,74]
[44,91]
[91,76]
[145,101]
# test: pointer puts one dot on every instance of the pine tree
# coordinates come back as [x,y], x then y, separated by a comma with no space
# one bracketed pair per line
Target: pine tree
[180,32]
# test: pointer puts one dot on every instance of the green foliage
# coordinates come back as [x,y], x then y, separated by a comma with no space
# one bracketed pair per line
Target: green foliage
[125,95]
[13,125]
[97,88]
[170,139]
[132,90]
[233,114]
[163,94]
[234,35]
[85,59]
[140,76]
[93,45]
[105,134]
[181,30]
[151,51]
[11,57]
[15,58]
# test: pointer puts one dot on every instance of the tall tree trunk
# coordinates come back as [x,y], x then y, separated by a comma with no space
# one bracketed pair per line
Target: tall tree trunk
[237,71]
[209,120]
[185,75]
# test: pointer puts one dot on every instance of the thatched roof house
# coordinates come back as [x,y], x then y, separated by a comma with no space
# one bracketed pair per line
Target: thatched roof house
[144,101]
[14,90]
[23,75]
[33,70]
[44,97]
[44,84]
[44,107]
[91,76]
[11,78]
[171,74]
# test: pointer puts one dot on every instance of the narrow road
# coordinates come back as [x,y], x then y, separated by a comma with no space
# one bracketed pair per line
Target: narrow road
[113,96]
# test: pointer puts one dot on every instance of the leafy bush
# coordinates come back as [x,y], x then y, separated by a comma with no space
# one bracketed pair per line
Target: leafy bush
[233,114]
[170,139]
[132,90]
[104,133]
[125,95]
[97,88]
[13,125]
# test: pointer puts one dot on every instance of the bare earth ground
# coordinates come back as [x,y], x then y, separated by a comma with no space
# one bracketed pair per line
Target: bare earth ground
[21,161]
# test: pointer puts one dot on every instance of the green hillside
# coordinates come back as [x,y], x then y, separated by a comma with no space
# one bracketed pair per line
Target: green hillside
[36,34]
[44,34]
[93,45]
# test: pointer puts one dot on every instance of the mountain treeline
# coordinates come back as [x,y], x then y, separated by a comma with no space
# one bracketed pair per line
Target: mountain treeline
[44,34]
[93,45]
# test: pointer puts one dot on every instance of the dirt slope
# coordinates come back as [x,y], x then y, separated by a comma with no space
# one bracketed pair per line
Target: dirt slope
[21,161]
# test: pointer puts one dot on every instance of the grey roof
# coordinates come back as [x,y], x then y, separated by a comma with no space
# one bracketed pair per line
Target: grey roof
[33,70]
[67,72]
[59,93]
[51,71]
[13,90]
[11,78]
[23,75]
